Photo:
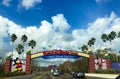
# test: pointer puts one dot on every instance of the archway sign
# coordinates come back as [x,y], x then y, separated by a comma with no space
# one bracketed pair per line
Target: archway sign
[50,55]
[59,54]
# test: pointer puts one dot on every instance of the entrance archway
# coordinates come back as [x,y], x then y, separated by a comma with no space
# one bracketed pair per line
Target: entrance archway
[56,54]
[60,54]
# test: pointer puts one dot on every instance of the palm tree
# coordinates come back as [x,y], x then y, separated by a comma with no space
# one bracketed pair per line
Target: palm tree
[24,39]
[119,34]
[13,37]
[32,44]
[111,37]
[1,60]
[84,47]
[79,48]
[104,37]
[91,42]
[19,49]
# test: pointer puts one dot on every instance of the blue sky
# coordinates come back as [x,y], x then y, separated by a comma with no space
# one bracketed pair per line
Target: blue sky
[78,13]
[58,23]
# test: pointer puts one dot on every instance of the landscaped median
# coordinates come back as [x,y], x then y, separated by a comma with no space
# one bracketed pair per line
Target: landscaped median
[105,76]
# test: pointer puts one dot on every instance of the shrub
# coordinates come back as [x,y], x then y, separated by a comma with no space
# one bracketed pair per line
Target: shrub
[1,74]
[107,71]
[11,74]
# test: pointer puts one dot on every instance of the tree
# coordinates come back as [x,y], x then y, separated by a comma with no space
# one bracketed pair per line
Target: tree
[34,65]
[13,37]
[1,60]
[119,34]
[98,52]
[32,44]
[19,49]
[111,37]
[24,39]
[84,47]
[2,64]
[91,42]
[104,38]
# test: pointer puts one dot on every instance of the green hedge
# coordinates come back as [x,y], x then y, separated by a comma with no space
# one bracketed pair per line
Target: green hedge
[8,58]
[107,71]
[11,74]
[1,74]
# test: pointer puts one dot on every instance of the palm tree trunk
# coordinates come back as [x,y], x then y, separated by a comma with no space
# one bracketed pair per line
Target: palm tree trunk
[94,52]
[32,49]
[12,49]
[116,57]
[19,56]
[22,55]
[23,51]
[112,52]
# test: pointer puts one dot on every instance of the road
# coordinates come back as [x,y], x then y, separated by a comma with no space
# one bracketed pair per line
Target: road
[47,75]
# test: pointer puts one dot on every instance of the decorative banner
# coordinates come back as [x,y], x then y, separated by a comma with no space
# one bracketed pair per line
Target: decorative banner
[60,56]
[18,65]
[100,64]
[115,66]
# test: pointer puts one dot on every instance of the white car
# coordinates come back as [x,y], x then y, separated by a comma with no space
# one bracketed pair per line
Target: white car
[56,73]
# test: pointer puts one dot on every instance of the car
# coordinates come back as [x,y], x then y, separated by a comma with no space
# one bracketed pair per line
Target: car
[51,70]
[56,73]
[78,74]
[72,72]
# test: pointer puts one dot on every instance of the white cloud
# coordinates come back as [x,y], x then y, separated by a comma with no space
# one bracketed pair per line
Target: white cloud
[3,34]
[27,4]
[60,23]
[6,2]
[55,33]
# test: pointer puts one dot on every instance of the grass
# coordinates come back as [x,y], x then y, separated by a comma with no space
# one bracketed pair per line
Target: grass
[3,77]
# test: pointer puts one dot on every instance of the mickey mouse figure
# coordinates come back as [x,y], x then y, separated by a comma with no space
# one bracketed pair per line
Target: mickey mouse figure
[99,62]
[18,64]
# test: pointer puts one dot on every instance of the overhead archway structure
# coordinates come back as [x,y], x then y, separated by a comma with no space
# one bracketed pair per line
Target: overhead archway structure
[54,54]
[65,54]
[59,54]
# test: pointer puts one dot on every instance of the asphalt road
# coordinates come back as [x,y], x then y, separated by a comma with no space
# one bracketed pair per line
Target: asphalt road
[47,75]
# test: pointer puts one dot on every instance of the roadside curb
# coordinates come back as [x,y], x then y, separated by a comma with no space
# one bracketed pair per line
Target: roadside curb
[106,76]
